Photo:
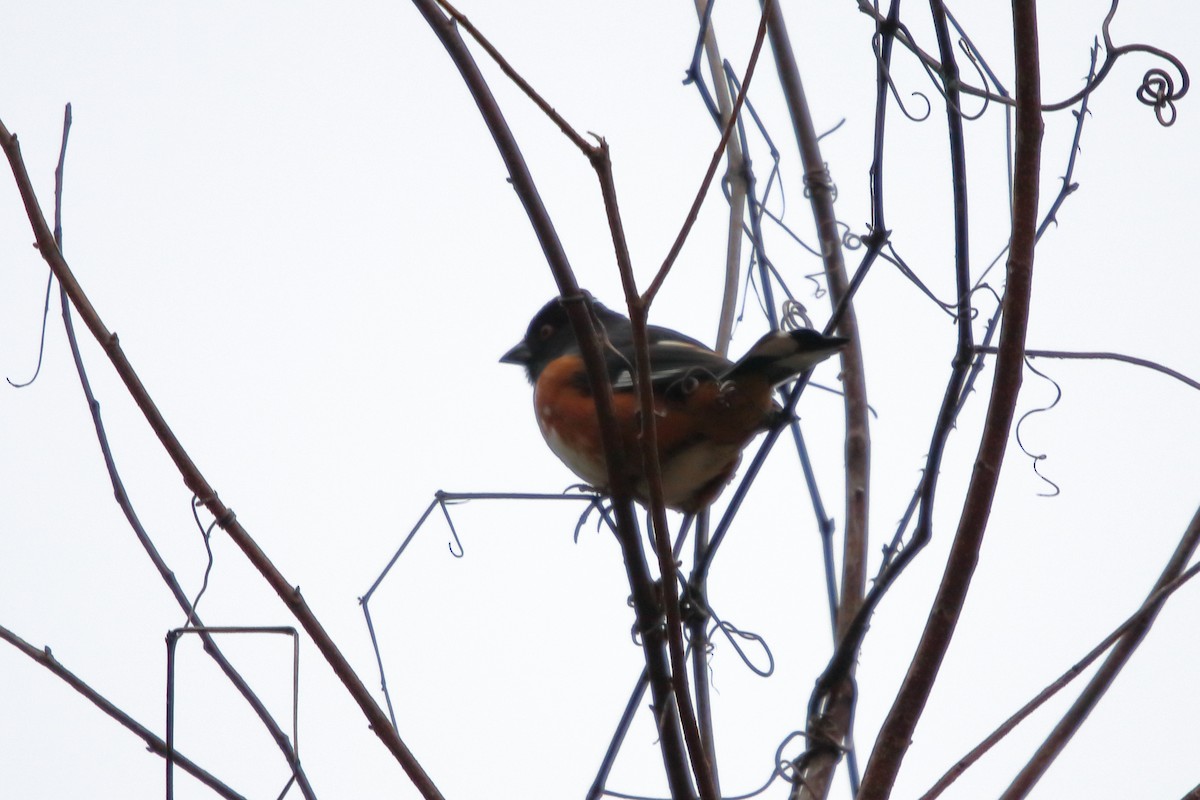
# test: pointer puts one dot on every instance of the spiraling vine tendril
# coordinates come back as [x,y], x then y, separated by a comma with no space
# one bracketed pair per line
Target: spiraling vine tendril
[1036,457]
[795,316]
[1157,89]
[887,76]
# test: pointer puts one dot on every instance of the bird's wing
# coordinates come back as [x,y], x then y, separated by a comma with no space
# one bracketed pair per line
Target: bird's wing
[672,356]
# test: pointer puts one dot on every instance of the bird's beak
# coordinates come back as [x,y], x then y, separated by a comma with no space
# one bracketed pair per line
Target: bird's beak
[518,355]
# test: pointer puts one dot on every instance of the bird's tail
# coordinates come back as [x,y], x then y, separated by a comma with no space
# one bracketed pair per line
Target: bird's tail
[782,355]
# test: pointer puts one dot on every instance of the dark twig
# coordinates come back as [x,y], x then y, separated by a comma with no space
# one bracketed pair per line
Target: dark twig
[1108,671]
[576,138]
[153,743]
[1145,613]
[1104,356]
[597,789]
[645,601]
[126,505]
[1157,89]
[694,211]
[896,733]
[194,479]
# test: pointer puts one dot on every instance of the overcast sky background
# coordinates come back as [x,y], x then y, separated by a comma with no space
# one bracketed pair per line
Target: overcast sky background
[294,218]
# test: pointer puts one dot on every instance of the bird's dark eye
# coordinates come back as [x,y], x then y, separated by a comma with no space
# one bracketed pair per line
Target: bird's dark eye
[545,332]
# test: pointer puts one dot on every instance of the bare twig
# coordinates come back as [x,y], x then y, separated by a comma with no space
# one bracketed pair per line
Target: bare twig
[1104,356]
[196,482]
[694,211]
[645,601]
[1148,609]
[652,470]
[568,130]
[1107,672]
[153,743]
[896,732]
[126,505]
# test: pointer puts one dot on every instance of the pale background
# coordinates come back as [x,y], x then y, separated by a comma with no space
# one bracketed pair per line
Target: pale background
[294,218]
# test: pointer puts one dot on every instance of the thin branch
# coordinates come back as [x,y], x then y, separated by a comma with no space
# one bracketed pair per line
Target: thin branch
[568,130]
[1104,356]
[694,211]
[195,481]
[645,601]
[1108,671]
[1148,609]
[652,471]
[896,732]
[153,743]
[126,505]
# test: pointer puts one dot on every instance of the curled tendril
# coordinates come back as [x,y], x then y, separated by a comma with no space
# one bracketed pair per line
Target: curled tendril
[733,633]
[795,316]
[850,239]
[887,76]
[1036,457]
[460,552]
[832,130]
[818,289]
[969,52]
[1158,90]
[821,179]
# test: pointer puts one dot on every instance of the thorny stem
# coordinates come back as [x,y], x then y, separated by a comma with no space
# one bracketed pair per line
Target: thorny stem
[1104,356]
[1112,53]
[736,180]
[896,733]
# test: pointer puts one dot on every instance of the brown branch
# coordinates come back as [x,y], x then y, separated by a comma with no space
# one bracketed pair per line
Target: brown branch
[652,469]
[896,734]
[126,505]
[645,600]
[196,482]
[1107,672]
[568,130]
[153,743]
[1104,356]
[1145,612]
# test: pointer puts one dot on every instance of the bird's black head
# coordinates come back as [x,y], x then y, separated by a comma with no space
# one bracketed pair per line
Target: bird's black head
[550,335]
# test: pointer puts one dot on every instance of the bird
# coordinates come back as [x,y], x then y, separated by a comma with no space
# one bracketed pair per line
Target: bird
[707,408]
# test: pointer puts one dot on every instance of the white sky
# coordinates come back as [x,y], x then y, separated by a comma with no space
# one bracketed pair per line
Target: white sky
[294,218]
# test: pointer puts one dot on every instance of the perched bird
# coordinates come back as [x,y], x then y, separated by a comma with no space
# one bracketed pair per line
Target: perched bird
[707,407]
